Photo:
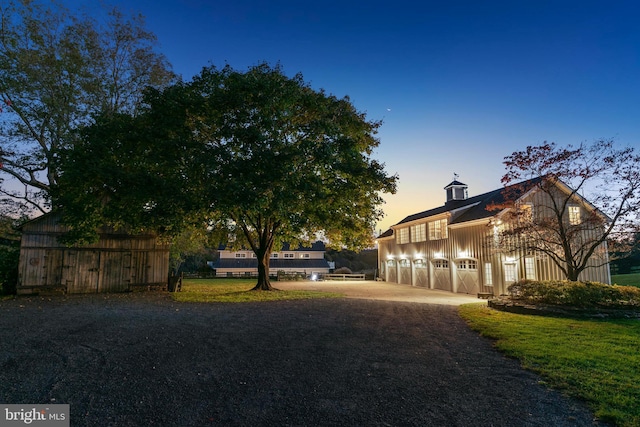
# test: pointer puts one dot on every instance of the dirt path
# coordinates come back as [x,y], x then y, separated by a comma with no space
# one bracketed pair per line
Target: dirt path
[142,359]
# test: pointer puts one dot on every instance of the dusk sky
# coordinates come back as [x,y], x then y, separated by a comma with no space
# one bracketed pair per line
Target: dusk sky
[458,84]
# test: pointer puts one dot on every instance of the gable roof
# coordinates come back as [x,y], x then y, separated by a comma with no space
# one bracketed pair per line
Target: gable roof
[470,209]
[455,182]
[317,246]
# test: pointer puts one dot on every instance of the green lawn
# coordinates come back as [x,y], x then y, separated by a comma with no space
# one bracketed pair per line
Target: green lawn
[238,290]
[626,279]
[595,360]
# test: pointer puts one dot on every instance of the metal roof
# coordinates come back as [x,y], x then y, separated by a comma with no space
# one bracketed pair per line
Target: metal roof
[470,209]
[275,263]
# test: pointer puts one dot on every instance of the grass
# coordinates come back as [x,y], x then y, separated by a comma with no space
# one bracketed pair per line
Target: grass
[595,360]
[626,279]
[238,291]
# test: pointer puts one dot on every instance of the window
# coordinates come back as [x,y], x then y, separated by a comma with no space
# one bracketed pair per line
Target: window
[305,256]
[274,255]
[241,255]
[405,263]
[419,233]
[468,264]
[574,215]
[420,263]
[438,229]
[402,236]
[441,263]
[289,255]
[488,276]
[391,263]
[530,267]
[510,272]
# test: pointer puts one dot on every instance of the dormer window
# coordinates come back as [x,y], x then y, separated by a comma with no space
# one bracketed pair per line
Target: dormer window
[419,233]
[403,236]
[438,229]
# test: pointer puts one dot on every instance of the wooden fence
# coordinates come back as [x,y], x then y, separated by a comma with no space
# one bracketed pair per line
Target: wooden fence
[342,277]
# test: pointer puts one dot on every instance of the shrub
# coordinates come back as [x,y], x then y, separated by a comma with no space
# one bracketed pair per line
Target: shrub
[575,294]
[9,257]
[290,276]
[343,270]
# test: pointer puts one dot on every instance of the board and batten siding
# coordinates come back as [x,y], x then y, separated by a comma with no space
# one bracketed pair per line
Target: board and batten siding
[598,264]
[466,262]
[116,263]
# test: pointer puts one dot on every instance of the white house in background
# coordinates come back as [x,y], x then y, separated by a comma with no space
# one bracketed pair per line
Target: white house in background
[447,247]
[305,260]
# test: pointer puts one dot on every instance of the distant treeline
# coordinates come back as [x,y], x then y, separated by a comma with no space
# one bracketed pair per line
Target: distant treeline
[357,262]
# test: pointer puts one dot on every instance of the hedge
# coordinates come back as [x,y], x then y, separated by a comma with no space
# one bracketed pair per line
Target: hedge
[575,294]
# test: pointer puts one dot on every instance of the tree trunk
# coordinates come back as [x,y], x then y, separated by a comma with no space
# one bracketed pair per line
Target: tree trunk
[573,273]
[264,284]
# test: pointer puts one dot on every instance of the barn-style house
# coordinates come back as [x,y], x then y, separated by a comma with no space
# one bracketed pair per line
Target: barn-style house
[307,261]
[118,262]
[449,247]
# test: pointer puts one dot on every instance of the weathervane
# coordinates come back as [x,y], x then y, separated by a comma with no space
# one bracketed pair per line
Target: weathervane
[455,176]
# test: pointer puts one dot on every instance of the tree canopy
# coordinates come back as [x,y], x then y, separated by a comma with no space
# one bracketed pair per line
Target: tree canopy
[57,70]
[587,194]
[258,156]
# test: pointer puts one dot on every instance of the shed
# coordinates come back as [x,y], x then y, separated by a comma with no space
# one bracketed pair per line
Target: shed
[118,262]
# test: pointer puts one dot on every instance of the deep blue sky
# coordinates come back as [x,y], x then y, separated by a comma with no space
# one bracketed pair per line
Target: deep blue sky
[458,84]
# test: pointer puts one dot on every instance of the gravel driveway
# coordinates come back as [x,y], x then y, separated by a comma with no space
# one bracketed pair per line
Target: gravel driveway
[142,359]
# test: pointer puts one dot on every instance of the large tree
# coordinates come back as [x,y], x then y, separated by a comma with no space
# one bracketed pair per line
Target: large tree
[261,157]
[142,172]
[57,70]
[585,195]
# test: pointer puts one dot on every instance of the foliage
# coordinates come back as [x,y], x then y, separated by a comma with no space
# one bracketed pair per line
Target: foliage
[258,157]
[294,162]
[626,279]
[625,253]
[343,270]
[238,291]
[361,261]
[575,294]
[57,70]
[189,251]
[593,360]
[290,276]
[9,255]
[599,179]
[140,173]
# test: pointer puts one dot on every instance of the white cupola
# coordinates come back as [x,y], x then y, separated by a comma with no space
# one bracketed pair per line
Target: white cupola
[456,190]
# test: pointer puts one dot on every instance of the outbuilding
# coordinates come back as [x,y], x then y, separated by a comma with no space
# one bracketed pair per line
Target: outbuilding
[452,248]
[118,262]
